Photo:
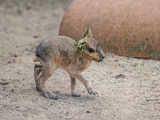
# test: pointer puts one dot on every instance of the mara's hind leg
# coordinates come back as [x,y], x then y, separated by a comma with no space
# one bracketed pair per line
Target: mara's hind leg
[41,75]
[73,84]
[86,84]
[37,74]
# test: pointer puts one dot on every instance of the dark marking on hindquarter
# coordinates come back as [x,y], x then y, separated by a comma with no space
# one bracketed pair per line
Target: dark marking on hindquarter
[42,53]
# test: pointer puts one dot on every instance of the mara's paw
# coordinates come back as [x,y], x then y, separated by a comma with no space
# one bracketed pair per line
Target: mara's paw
[50,95]
[76,95]
[92,92]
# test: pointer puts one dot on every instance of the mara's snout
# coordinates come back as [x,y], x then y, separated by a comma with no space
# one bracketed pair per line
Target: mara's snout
[101,58]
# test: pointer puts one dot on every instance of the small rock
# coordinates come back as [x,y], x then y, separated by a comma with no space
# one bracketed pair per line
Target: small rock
[15,55]
[35,36]
[120,76]
[28,7]
[116,60]
[88,111]
[11,61]
[12,90]
[19,11]
[4,83]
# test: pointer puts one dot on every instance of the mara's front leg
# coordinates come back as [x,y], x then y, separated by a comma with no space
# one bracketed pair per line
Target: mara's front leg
[73,84]
[86,84]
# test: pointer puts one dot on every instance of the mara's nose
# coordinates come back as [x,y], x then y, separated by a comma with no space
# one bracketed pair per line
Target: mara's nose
[102,57]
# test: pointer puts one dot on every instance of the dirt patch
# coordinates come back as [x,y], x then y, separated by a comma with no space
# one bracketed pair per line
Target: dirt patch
[128,88]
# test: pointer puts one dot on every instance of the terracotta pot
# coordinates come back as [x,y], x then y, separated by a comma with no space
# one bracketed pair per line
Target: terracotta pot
[124,27]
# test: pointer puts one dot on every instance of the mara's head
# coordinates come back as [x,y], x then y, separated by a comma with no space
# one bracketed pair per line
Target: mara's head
[89,47]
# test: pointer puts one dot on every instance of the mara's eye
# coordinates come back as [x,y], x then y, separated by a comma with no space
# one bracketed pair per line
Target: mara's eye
[91,50]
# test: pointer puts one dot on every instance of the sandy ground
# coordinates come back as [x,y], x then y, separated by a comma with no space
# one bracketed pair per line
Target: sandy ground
[129,89]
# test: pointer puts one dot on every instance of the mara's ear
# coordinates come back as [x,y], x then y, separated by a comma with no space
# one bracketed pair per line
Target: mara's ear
[88,33]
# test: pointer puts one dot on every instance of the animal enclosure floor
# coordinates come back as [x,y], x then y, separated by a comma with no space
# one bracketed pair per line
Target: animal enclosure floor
[129,89]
